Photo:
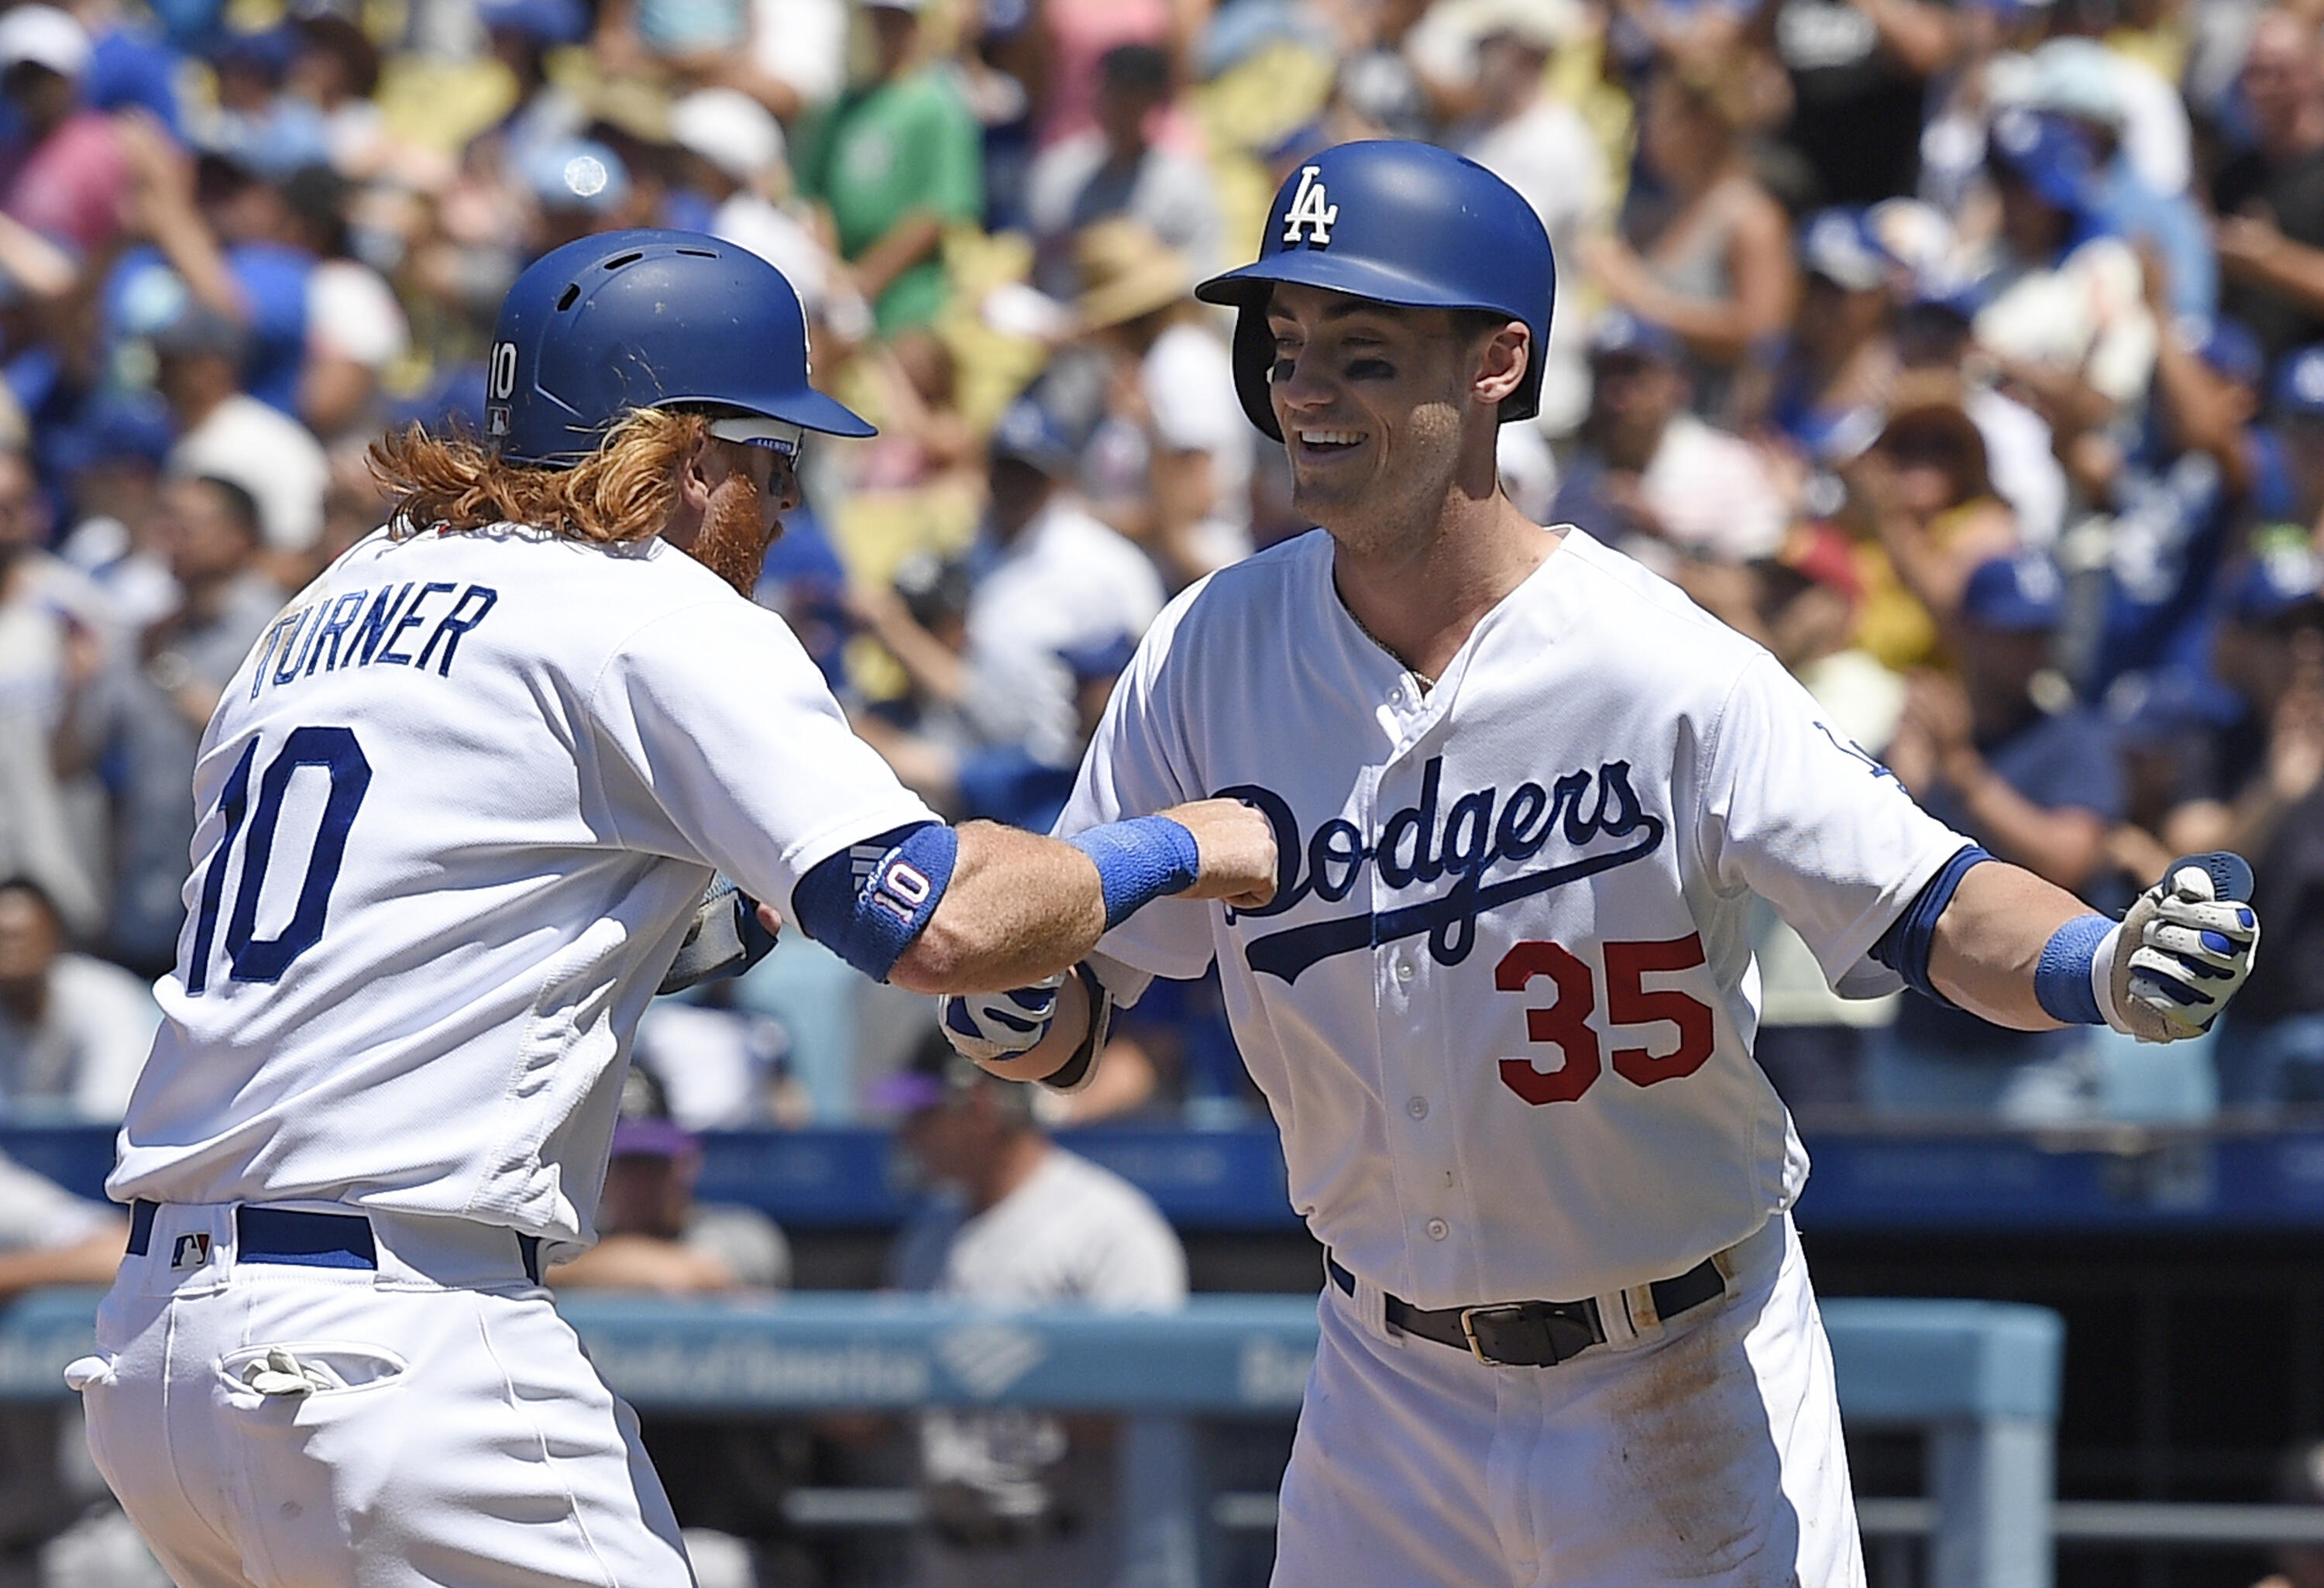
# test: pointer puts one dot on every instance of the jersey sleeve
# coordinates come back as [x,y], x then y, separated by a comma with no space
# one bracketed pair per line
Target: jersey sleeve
[1792,810]
[719,742]
[1137,765]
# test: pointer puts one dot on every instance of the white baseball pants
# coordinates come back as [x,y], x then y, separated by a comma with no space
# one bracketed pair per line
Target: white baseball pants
[1703,1451]
[436,1424]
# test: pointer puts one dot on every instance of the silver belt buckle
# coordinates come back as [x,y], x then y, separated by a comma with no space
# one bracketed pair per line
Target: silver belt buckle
[1469,1330]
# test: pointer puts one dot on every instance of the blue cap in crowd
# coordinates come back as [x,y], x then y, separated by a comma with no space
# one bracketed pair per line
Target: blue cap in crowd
[1105,658]
[2018,594]
[653,1138]
[267,51]
[1027,432]
[2044,153]
[2279,579]
[1619,334]
[2162,708]
[1839,245]
[542,21]
[2300,384]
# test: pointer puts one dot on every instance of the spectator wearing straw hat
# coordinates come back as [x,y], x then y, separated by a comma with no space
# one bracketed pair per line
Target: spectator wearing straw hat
[1188,489]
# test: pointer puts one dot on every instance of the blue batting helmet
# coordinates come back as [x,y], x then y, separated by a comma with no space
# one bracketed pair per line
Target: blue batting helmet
[1401,223]
[646,318]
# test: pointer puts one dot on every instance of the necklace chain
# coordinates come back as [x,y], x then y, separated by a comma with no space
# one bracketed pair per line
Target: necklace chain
[1424,681]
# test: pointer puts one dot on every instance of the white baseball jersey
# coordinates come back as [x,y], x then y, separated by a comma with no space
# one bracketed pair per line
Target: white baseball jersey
[1502,1003]
[455,812]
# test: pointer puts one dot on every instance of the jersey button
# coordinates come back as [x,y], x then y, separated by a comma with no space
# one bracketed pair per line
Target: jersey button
[1417,1108]
[1404,970]
[1438,1228]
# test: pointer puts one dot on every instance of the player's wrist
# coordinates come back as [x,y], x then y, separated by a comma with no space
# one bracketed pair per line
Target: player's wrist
[1139,861]
[2072,979]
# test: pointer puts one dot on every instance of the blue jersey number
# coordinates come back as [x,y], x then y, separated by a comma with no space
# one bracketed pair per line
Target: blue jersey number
[250,957]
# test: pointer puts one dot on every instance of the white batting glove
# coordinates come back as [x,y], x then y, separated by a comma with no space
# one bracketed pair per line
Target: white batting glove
[2175,959]
[990,1027]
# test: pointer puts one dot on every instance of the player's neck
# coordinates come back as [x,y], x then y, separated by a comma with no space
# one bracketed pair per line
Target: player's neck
[1419,601]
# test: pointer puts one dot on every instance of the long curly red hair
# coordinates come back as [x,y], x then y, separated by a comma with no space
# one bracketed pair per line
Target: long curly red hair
[623,491]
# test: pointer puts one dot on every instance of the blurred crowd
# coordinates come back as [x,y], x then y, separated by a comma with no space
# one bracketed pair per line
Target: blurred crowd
[1968,354]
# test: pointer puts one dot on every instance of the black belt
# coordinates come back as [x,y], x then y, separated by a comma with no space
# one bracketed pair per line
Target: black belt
[1532,1334]
[310,1239]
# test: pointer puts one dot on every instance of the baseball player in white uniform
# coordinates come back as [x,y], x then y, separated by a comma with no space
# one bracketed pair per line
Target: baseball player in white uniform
[1503,1000]
[457,808]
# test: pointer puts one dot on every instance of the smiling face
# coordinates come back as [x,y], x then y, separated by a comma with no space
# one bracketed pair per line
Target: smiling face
[1379,408]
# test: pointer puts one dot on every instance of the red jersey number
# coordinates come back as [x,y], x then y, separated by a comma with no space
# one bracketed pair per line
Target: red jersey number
[1564,1024]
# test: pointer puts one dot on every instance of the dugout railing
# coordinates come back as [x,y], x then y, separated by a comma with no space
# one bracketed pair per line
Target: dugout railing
[1978,1379]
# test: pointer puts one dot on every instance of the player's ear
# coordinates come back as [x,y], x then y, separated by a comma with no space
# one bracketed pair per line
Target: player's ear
[1502,358]
[697,476]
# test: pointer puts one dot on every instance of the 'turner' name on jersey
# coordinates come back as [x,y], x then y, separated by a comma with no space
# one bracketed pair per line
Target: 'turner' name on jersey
[358,628]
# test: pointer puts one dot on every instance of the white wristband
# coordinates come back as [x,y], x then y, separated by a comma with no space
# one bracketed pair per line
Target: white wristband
[2102,977]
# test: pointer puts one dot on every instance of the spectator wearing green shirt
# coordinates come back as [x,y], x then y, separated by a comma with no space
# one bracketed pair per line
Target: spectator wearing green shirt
[895,159]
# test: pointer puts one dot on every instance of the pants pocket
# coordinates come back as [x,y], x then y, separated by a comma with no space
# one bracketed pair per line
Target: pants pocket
[295,1368]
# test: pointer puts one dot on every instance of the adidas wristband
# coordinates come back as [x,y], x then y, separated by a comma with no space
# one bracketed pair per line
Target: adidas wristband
[1139,861]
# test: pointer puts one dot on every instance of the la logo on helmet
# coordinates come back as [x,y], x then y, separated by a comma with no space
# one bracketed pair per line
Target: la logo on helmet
[1309,209]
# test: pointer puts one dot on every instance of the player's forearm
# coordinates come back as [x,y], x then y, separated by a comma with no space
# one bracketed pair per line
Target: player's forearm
[1019,907]
[2293,269]
[90,1261]
[1989,939]
[911,239]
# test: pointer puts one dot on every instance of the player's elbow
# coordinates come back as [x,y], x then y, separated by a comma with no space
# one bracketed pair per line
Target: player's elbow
[943,958]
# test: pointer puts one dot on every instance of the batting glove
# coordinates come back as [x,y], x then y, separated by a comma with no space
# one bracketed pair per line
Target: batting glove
[725,938]
[2176,957]
[990,1027]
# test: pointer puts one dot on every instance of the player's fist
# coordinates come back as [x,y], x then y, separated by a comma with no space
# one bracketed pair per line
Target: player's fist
[2179,955]
[1237,848]
[993,1027]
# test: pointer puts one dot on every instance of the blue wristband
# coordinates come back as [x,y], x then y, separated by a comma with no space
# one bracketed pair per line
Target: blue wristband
[1139,861]
[2062,981]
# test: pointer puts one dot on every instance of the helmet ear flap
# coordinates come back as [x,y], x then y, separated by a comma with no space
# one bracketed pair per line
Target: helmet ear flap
[1254,354]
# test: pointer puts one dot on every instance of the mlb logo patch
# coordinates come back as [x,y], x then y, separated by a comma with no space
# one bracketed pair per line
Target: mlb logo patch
[190,1252]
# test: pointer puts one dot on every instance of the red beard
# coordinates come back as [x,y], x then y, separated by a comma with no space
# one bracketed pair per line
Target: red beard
[731,543]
